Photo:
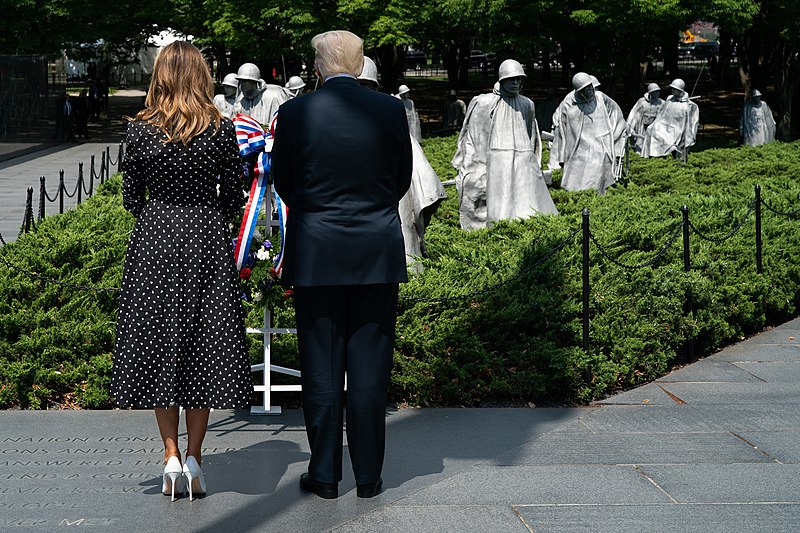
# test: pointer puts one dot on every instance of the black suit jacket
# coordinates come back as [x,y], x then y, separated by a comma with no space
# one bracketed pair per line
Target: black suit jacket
[341,161]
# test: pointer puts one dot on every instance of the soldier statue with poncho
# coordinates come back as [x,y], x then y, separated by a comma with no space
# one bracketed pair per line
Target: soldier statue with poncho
[499,154]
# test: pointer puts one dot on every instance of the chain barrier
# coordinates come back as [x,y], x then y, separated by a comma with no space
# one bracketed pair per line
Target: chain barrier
[79,189]
[650,261]
[21,227]
[74,192]
[731,233]
[55,281]
[86,190]
[470,296]
[92,171]
[786,214]
[113,162]
[473,295]
[43,190]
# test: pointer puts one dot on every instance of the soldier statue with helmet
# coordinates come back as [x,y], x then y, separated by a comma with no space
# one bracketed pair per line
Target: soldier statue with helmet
[756,123]
[294,86]
[498,158]
[424,195]
[674,130]
[414,128]
[225,102]
[590,134]
[257,98]
[369,74]
[643,114]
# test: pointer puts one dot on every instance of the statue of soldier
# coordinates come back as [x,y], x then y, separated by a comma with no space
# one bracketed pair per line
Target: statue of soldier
[756,123]
[257,98]
[411,112]
[590,135]
[424,195]
[369,74]
[295,86]
[453,113]
[644,113]
[225,102]
[499,153]
[674,130]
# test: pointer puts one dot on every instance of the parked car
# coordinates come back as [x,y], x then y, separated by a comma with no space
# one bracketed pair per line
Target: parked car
[698,50]
[477,59]
[415,59]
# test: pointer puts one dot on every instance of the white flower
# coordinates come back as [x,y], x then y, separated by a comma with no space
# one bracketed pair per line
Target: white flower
[257,296]
[262,254]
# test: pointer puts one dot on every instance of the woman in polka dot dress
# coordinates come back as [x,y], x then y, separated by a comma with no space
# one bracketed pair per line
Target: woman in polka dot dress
[180,331]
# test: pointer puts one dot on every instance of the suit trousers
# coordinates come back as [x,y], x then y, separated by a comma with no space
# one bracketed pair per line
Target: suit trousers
[346,328]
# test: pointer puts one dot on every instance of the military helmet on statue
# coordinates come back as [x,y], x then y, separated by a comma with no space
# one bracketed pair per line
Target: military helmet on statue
[581,80]
[678,84]
[230,80]
[403,89]
[295,82]
[248,71]
[369,72]
[755,94]
[653,87]
[510,68]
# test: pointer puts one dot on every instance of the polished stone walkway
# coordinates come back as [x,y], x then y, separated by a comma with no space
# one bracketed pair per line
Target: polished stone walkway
[710,447]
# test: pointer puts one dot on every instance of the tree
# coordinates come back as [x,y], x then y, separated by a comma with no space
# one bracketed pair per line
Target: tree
[51,26]
[770,50]
[388,29]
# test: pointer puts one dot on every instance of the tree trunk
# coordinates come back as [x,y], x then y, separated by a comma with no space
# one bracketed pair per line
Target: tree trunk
[786,83]
[463,63]
[545,59]
[726,43]
[669,49]
[391,66]
[450,58]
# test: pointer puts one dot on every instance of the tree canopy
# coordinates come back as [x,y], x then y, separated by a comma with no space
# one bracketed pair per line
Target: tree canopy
[614,39]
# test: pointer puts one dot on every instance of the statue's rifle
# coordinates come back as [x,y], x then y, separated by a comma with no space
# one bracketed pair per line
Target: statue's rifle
[697,80]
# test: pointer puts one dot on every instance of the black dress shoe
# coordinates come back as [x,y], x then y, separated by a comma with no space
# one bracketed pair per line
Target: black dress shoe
[329,491]
[370,489]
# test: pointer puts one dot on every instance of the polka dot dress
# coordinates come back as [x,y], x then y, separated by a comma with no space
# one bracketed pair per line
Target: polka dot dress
[180,331]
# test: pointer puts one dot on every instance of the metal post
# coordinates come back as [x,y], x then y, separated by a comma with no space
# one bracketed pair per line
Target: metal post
[688,305]
[585,279]
[28,210]
[108,162]
[103,168]
[687,266]
[119,158]
[42,193]
[759,264]
[91,176]
[80,182]
[61,191]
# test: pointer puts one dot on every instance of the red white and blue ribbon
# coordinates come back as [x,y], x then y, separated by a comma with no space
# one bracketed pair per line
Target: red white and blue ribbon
[252,139]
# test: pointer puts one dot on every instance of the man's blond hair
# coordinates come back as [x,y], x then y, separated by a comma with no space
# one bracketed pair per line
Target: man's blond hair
[338,52]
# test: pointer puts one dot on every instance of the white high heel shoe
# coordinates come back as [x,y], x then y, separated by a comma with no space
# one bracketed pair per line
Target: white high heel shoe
[173,478]
[194,477]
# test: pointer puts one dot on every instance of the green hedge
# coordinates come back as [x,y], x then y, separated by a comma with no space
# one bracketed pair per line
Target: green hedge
[517,335]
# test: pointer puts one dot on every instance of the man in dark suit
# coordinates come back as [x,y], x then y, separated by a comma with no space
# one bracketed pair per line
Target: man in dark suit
[342,162]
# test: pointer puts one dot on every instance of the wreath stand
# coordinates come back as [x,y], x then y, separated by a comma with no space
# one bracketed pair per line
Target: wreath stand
[266,408]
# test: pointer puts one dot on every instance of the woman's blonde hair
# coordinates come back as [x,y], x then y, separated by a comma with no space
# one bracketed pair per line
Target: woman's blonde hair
[338,52]
[179,101]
